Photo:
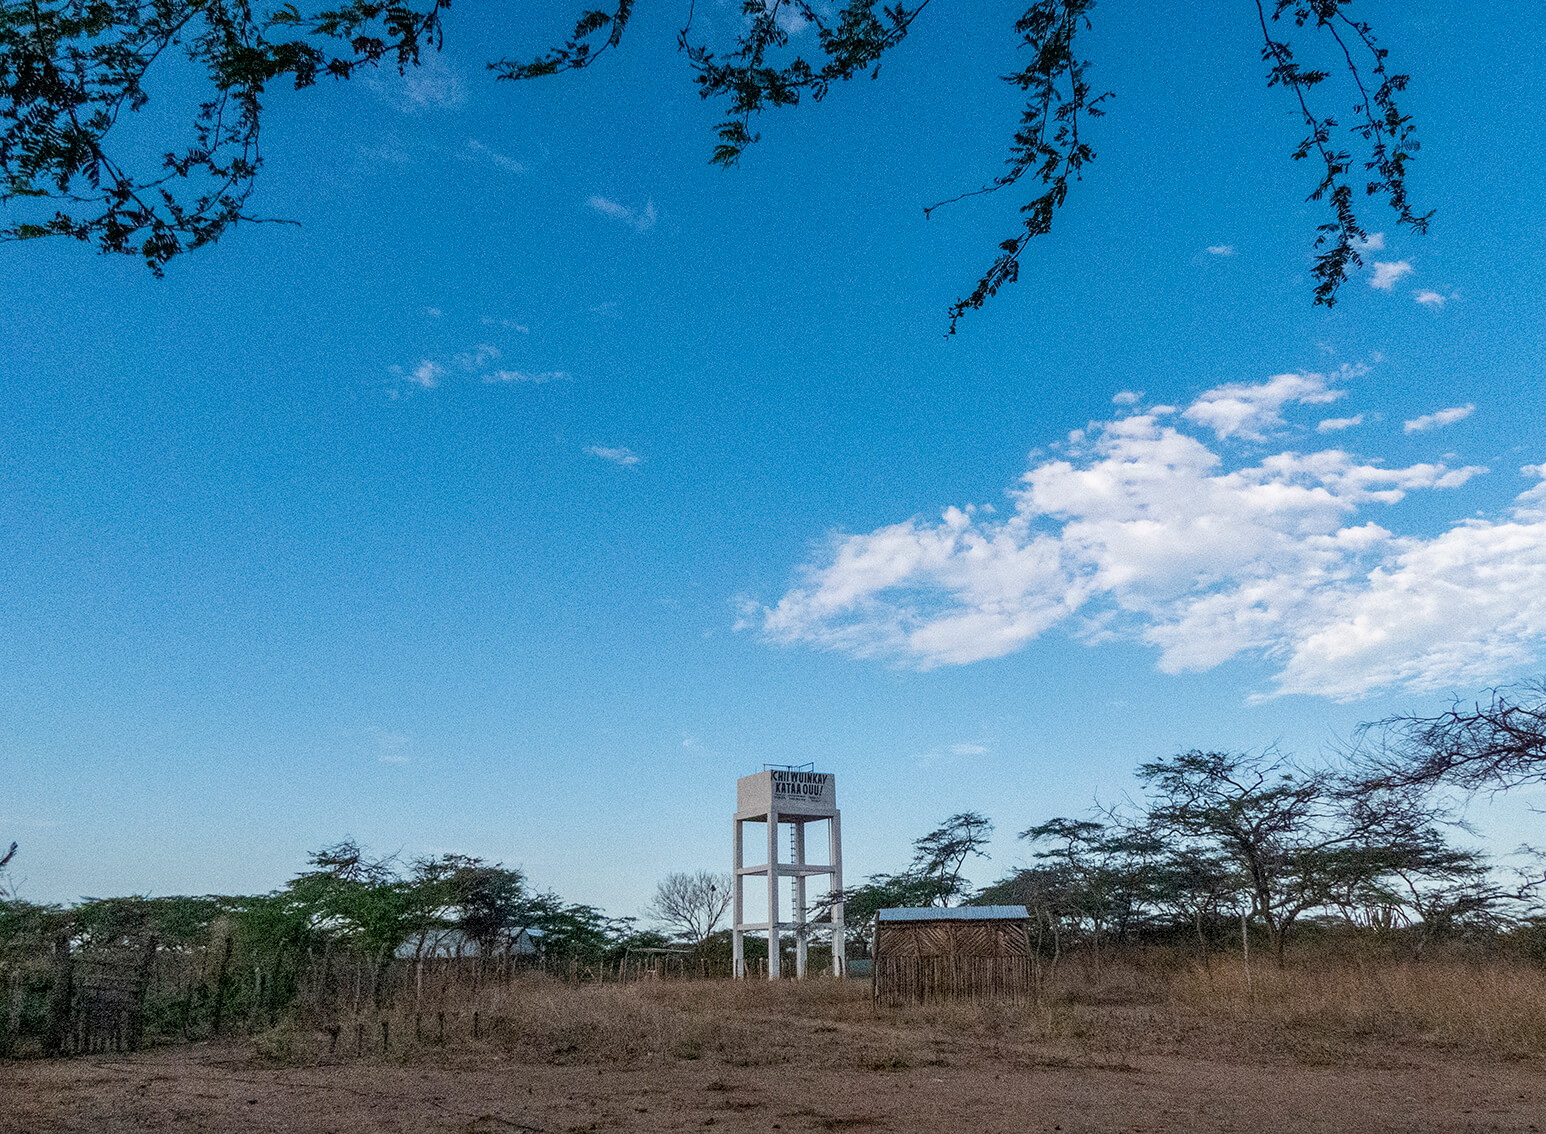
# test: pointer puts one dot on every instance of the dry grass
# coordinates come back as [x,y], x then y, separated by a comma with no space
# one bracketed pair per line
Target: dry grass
[1312,1011]
[1497,1007]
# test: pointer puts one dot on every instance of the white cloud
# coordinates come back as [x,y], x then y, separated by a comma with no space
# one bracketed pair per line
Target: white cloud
[641,220]
[1387,272]
[1333,424]
[534,377]
[1374,242]
[1440,419]
[1145,532]
[619,455]
[967,750]
[1221,249]
[427,374]
[477,150]
[1429,298]
[1127,398]
[1246,410]
[433,312]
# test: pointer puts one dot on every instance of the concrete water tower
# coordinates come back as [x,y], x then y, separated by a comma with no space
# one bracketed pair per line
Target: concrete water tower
[793,797]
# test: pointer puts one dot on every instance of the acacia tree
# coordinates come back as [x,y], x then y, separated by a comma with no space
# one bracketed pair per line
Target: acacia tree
[691,905]
[941,855]
[1276,823]
[70,70]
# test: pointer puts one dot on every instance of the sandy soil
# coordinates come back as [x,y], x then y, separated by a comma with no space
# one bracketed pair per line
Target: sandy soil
[227,1089]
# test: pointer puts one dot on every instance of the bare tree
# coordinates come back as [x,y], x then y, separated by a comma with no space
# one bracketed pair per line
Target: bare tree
[691,905]
[7,888]
[1478,747]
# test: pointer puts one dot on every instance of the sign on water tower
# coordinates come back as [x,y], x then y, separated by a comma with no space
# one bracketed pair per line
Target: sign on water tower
[790,791]
[788,797]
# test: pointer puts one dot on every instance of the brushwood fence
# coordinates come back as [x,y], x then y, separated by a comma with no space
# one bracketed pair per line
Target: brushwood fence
[64,999]
[899,980]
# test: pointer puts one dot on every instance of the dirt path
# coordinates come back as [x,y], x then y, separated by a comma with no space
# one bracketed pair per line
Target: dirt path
[224,1090]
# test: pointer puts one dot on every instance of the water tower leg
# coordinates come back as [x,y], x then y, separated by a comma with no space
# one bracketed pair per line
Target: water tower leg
[835,857]
[772,894]
[737,909]
[799,902]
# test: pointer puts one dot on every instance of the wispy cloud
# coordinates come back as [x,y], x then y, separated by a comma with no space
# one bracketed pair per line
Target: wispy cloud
[1428,298]
[1127,398]
[1221,249]
[476,150]
[535,377]
[433,85]
[390,150]
[1387,272]
[507,324]
[476,359]
[1374,242]
[391,747]
[641,220]
[949,752]
[1333,424]
[1140,530]
[618,455]
[1440,419]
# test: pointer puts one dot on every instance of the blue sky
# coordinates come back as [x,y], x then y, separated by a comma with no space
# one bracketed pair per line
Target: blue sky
[543,479]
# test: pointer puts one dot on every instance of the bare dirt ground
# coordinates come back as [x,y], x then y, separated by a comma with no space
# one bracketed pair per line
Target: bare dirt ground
[980,1085]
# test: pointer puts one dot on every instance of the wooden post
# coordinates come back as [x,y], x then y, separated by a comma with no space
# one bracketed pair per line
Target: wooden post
[1245,944]
[13,1023]
[60,998]
[220,980]
[136,1022]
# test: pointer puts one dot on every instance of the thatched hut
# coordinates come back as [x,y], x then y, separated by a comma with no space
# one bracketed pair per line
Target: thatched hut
[965,951]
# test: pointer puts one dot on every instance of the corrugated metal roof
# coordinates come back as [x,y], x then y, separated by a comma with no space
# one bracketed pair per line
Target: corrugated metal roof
[953,913]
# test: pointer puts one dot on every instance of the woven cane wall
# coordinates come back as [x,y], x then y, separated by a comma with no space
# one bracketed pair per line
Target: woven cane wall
[931,959]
